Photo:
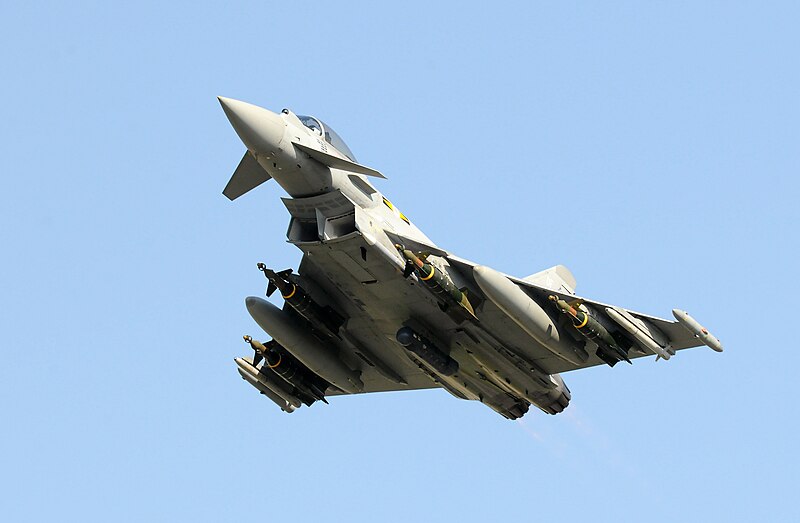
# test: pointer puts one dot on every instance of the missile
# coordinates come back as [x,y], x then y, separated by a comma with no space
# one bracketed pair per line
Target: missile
[526,313]
[509,378]
[697,330]
[496,362]
[438,282]
[250,378]
[321,359]
[463,385]
[626,321]
[607,348]
[270,381]
[281,363]
[425,349]
[321,317]
[528,382]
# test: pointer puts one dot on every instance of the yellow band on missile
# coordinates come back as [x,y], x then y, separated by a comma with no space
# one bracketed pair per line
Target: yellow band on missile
[429,276]
[584,322]
[294,290]
[279,362]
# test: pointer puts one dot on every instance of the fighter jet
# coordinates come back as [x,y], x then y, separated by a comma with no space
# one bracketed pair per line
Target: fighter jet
[375,305]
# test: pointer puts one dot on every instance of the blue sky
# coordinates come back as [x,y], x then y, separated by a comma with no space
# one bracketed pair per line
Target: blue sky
[652,147]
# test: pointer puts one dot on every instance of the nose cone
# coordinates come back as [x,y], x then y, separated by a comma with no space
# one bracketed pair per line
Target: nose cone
[244,365]
[260,130]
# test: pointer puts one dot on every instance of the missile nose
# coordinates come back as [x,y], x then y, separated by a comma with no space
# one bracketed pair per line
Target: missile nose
[261,130]
[242,364]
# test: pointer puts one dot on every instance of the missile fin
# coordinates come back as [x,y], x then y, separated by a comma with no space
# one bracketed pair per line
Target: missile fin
[408,270]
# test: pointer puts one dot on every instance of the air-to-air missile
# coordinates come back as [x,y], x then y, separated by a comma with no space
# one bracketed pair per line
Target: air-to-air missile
[646,336]
[608,349]
[547,392]
[308,386]
[320,358]
[322,318]
[526,313]
[251,379]
[436,281]
[271,386]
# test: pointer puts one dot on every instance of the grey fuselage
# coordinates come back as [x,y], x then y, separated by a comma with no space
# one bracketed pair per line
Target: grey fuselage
[409,315]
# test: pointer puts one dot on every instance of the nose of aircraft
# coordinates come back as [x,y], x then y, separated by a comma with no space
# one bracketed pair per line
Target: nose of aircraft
[260,130]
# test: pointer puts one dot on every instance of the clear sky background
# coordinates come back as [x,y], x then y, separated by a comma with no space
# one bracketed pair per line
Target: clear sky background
[652,147]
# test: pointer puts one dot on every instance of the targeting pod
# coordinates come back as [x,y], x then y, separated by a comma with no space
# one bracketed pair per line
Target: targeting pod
[422,347]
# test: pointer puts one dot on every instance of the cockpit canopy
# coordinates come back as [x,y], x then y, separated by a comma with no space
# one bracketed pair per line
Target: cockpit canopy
[330,135]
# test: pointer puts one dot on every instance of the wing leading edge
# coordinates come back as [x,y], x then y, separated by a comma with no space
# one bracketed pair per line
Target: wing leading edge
[647,334]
